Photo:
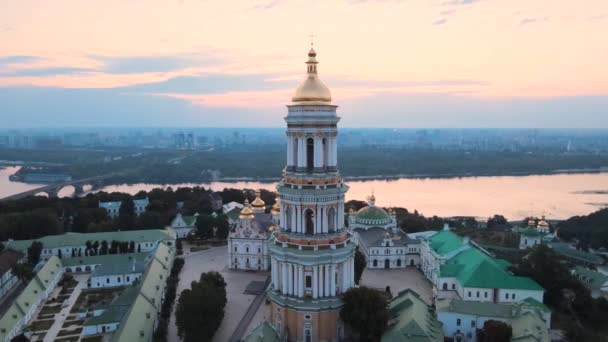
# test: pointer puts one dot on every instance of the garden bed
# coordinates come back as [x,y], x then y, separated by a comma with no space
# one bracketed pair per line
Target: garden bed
[41,325]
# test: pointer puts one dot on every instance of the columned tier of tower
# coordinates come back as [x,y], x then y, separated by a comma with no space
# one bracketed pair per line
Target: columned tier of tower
[312,211]
[312,139]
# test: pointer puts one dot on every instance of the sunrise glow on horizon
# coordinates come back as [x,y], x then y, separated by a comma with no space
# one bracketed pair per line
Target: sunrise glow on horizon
[455,63]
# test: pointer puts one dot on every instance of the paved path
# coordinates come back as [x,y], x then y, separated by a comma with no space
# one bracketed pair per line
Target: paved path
[399,279]
[238,333]
[62,315]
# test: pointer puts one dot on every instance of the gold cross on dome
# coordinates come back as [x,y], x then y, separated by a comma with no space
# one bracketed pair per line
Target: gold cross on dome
[312,39]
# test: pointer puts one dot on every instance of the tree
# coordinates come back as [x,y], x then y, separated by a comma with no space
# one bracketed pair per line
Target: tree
[132,247]
[23,272]
[204,226]
[360,264]
[496,220]
[222,227]
[365,312]
[104,247]
[33,253]
[126,215]
[200,309]
[494,331]
[150,220]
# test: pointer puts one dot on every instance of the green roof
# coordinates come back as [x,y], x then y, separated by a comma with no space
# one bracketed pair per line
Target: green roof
[264,332]
[28,297]
[80,239]
[111,263]
[473,268]
[189,220]
[411,319]
[530,232]
[139,322]
[591,279]
[536,304]
[586,257]
[488,309]
[372,213]
[445,242]
[112,314]
[529,327]
[234,214]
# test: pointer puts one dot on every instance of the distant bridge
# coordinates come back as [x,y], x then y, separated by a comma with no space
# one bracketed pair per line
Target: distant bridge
[52,190]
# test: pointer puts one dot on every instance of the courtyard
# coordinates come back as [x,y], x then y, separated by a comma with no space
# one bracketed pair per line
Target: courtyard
[214,259]
[399,280]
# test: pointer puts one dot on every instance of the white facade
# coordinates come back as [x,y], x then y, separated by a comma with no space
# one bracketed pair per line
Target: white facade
[113,280]
[247,249]
[183,225]
[232,205]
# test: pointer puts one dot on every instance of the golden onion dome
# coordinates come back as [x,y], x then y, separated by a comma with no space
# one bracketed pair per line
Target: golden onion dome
[246,213]
[258,202]
[312,90]
[276,208]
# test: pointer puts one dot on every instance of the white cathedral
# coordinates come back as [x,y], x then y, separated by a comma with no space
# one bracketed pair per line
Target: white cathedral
[247,248]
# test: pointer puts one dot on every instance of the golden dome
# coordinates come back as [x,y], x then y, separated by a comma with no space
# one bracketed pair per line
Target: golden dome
[312,90]
[246,213]
[276,208]
[258,202]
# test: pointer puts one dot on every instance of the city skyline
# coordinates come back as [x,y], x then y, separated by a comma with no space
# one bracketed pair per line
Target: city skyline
[446,64]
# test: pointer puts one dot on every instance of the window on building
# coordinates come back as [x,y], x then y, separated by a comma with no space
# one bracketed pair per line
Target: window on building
[453,285]
[485,294]
[477,294]
[458,322]
[107,280]
[469,294]
[473,324]
[513,296]
[235,248]
[506,296]
[308,281]
[259,250]
[247,249]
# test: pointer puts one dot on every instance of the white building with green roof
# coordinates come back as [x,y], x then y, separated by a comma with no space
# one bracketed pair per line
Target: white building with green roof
[460,269]
[380,240]
[64,245]
[529,321]
[134,314]
[183,225]
[25,305]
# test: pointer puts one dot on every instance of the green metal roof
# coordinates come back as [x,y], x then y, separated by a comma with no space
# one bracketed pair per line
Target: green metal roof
[138,324]
[445,242]
[530,232]
[372,213]
[80,239]
[529,327]
[189,220]
[591,279]
[473,268]
[586,257]
[411,319]
[487,309]
[264,332]
[23,303]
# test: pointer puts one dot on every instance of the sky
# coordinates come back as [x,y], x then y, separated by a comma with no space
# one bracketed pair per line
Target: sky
[388,63]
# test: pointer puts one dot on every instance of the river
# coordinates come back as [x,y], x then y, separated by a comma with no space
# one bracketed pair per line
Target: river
[556,196]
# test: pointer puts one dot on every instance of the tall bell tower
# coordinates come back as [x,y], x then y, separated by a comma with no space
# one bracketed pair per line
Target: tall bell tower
[312,254]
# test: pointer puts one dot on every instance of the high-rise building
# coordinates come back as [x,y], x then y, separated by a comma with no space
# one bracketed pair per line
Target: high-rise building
[312,254]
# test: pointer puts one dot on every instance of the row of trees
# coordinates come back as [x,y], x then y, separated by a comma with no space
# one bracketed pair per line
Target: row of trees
[589,230]
[200,308]
[37,216]
[160,334]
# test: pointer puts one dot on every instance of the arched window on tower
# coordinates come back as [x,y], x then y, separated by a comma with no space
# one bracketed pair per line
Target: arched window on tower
[309,217]
[331,220]
[310,154]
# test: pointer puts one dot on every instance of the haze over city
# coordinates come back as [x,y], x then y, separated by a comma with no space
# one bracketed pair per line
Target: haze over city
[458,63]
